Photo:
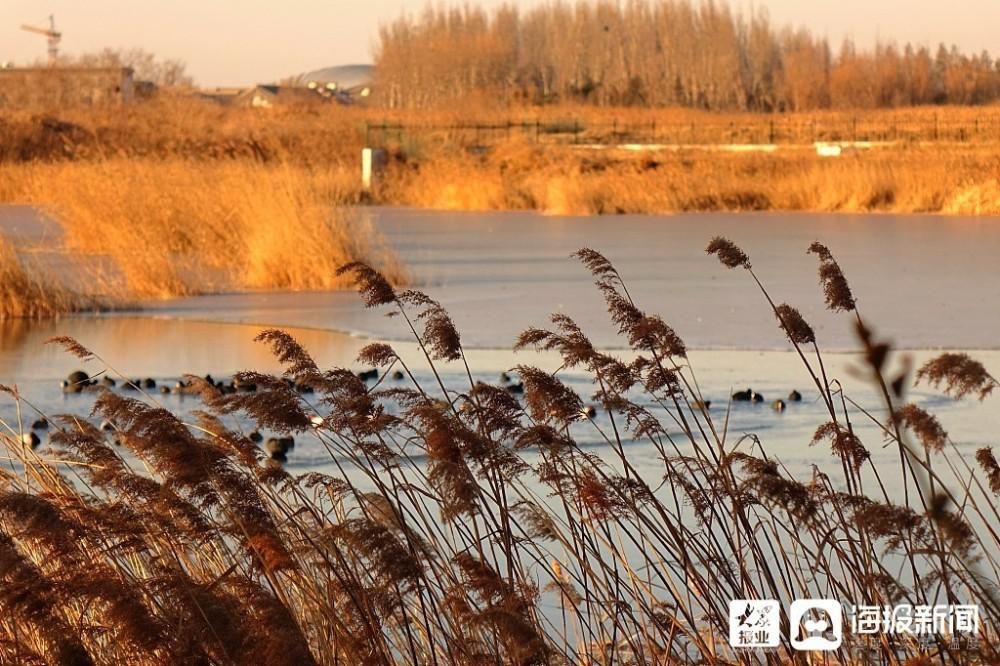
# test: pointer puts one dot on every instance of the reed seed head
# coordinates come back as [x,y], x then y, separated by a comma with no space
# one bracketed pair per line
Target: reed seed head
[794,325]
[372,285]
[728,253]
[961,375]
[836,290]
[925,426]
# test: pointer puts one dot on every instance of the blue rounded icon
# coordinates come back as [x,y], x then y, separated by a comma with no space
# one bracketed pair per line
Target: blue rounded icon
[816,624]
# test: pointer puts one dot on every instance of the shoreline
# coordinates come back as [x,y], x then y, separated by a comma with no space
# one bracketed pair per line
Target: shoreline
[526,260]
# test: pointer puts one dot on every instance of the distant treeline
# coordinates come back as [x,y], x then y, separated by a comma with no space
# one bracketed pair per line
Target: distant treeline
[660,53]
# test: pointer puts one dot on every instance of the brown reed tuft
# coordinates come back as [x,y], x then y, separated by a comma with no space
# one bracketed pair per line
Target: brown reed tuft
[764,481]
[960,374]
[288,352]
[925,426]
[728,253]
[594,494]
[988,462]
[448,473]
[547,397]
[897,525]
[644,332]
[836,290]
[453,525]
[843,442]
[72,346]
[371,284]
[440,335]
[956,530]
[377,354]
[795,327]
[274,405]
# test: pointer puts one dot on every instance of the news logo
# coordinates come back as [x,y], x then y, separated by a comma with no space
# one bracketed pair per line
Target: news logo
[754,623]
[816,624]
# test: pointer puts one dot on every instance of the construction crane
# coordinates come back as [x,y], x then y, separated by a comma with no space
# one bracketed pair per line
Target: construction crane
[53,36]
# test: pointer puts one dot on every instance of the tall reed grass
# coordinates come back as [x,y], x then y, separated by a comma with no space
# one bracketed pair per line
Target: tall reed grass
[567,180]
[28,293]
[470,526]
[179,227]
[943,161]
[181,127]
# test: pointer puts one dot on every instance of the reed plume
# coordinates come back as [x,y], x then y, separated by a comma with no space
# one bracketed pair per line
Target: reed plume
[455,521]
[960,374]
[836,290]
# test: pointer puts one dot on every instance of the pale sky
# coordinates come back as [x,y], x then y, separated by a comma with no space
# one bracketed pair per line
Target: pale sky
[239,42]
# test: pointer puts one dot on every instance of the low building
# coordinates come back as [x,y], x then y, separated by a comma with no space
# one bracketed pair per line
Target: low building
[349,84]
[32,87]
[263,96]
[220,96]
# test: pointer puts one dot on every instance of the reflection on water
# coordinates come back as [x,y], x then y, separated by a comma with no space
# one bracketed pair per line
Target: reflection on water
[140,346]
[923,281]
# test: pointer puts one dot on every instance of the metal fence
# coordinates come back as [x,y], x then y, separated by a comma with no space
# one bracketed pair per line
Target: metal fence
[769,131]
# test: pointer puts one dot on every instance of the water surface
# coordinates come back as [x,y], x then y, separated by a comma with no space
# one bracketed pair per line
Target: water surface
[924,281]
[927,282]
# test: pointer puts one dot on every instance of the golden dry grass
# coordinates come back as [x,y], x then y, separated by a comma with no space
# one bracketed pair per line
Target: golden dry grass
[27,293]
[186,197]
[939,178]
[177,227]
[183,127]
[322,135]
[492,523]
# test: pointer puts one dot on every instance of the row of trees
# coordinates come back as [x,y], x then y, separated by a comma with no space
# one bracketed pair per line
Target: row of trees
[165,73]
[659,53]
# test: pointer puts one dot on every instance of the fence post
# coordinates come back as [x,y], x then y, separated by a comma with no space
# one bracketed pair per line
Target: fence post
[771,132]
[854,129]
[935,126]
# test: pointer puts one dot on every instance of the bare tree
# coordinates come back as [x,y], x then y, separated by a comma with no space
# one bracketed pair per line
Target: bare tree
[657,53]
[146,66]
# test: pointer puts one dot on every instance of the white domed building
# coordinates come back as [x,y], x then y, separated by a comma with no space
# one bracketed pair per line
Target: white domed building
[350,84]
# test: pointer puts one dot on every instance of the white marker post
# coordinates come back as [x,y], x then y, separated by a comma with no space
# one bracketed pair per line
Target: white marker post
[372,164]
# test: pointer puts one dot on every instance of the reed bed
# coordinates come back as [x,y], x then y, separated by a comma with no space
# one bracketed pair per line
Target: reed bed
[939,160]
[470,527]
[182,127]
[179,227]
[28,293]
[567,180]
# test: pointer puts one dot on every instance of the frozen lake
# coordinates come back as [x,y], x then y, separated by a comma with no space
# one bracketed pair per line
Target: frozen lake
[925,282]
